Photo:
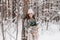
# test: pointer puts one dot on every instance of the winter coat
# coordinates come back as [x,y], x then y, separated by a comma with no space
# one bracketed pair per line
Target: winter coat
[30,22]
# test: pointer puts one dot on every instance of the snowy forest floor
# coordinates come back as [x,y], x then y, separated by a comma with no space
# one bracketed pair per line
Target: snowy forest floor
[52,33]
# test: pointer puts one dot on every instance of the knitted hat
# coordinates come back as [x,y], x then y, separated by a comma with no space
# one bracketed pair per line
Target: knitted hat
[59,13]
[30,11]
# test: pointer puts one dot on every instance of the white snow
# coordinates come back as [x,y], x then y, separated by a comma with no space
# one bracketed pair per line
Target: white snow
[52,33]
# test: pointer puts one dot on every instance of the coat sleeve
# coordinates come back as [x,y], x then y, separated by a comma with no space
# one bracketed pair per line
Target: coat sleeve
[25,23]
[26,26]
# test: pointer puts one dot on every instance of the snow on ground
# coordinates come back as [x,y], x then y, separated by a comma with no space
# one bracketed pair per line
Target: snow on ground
[47,36]
[52,33]
[10,30]
[0,34]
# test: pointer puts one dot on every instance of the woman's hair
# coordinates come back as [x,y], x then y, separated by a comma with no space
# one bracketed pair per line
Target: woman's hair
[27,16]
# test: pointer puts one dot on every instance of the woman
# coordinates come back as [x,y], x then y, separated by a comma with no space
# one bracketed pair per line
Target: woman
[31,26]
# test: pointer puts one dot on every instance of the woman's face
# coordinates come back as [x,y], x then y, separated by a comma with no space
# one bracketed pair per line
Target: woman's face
[30,15]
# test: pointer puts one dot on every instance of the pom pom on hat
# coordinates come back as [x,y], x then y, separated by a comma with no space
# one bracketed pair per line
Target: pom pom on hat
[59,13]
[30,11]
